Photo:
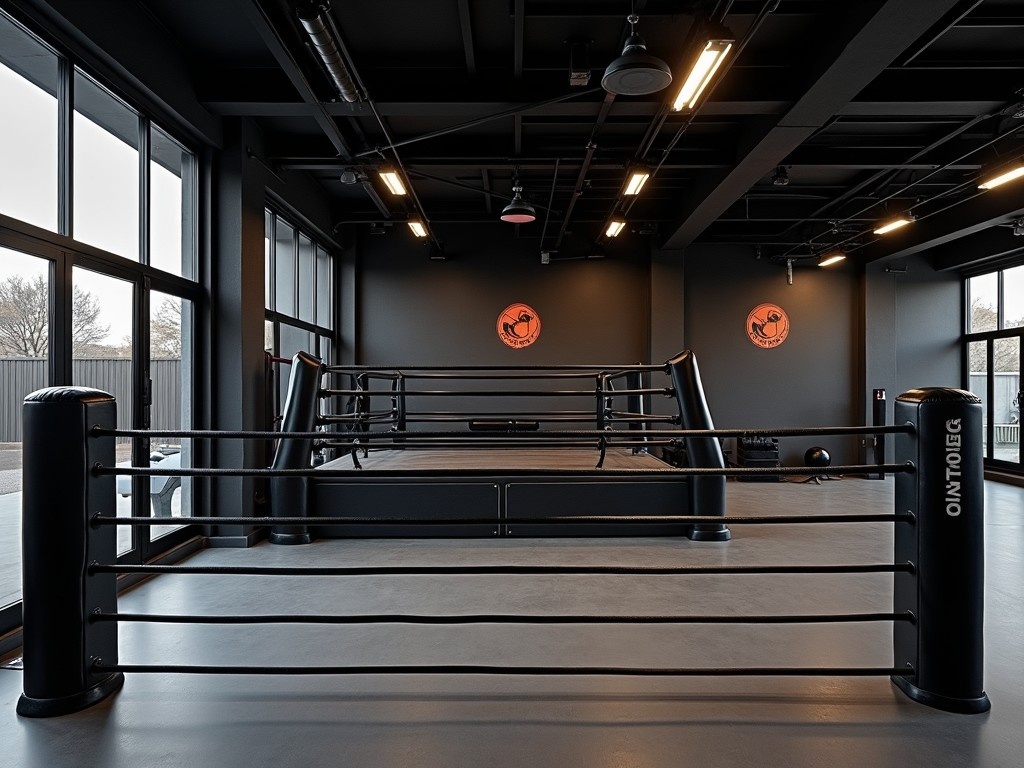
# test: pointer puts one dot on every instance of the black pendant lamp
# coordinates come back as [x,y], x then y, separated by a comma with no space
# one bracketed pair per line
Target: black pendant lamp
[518,211]
[636,72]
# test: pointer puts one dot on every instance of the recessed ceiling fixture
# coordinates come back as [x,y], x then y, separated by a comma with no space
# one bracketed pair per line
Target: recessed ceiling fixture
[832,258]
[636,72]
[614,227]
[638,176]
[780,178]
[518,211]
[1008,174]
[889,226]
[718,41]
[392,180]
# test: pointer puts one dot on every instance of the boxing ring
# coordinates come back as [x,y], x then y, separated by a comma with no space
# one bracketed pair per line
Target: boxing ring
[71,617]
[510,446]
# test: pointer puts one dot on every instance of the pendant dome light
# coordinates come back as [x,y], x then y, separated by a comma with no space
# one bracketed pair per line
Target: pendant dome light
[518,211]
[636,72]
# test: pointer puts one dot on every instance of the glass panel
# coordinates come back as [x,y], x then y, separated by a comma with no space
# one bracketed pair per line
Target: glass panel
[307,269]
[1013,297]
[101,326]
[284,269]
[982,298]
[24,346]
[28,129]
[324,286]
[170,215]
[1006,402]
[268,283]
[171,374]
[977,354]
[106,171]
[292,340]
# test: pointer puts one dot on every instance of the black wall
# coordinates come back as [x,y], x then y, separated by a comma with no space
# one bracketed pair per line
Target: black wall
[414,311]
[808,380]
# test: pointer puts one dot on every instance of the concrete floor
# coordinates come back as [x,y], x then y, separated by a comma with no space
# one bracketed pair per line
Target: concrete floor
[428,721]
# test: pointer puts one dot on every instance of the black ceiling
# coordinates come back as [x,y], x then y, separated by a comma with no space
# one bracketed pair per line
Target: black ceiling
[872,108]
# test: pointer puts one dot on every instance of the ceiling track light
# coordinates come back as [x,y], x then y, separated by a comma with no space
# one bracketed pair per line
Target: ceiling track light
[518,211]
[1008,173]
[392,180]
[615,226]
[894,224]
[636,72]
[780,178]
[717,43]
[638,176]
[312,17]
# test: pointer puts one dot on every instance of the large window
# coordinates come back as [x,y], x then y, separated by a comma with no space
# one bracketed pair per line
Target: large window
[107,299]
[299,276]
[993,347]
[28,128]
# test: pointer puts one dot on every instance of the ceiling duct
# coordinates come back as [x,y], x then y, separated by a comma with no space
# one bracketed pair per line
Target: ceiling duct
[312,17]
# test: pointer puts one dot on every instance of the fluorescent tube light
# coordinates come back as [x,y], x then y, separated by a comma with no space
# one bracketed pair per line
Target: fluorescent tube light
[637,178]
[890,226]
[614,227]
[708,62]
[417,228]
[1002,178]
[835,258]
[392,181]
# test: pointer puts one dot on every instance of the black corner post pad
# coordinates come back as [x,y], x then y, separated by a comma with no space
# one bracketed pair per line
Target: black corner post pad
[59,592]
[707,492]
[289,496]
[944,647]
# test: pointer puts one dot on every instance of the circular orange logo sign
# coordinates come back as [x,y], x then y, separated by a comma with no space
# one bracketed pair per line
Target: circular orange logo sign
[767,325]
[518,325]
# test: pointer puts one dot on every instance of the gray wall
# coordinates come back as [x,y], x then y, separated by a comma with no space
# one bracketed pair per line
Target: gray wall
[912,325]
[414,311]
[808,380]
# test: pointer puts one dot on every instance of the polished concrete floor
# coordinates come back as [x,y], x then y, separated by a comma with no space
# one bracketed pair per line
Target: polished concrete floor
[430,721]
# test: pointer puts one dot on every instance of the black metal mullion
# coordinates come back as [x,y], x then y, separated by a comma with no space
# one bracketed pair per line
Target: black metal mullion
[65,145]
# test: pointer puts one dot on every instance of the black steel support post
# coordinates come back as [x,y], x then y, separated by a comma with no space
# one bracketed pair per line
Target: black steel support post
[878,441]
[59,496]
[707,492]
[289,496]
[946,544]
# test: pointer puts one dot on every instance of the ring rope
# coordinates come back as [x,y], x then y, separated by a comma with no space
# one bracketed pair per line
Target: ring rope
[609,474]
[101,666]
[504,570]
[891,429]
[499,618]
[684,519]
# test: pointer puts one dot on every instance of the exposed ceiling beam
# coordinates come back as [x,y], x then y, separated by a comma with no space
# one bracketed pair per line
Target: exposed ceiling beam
[272,39]
[465,24]
[844,69]
[988,245]
[977,214]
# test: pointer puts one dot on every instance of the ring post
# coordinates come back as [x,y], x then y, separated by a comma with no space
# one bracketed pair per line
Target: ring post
[60,494]
[289,496]
[707,494]
[946,543]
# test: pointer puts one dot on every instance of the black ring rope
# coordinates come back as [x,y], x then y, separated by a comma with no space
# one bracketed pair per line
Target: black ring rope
[607,474]
[503,570]
[589,393]
[498,618]
[99,665]
[654,519]
[891,429]
[411,371]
